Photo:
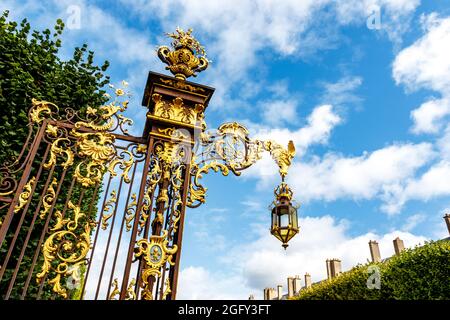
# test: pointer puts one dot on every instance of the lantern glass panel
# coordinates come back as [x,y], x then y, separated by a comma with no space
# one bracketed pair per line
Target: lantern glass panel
[284,220]
[274,218]
[294,217]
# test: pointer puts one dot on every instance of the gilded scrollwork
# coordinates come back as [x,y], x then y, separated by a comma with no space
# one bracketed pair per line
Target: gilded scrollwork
[60,147]
[155,254]
[125,165]
[97,149]
[25,195]
[52,130]
[103,122]
[154,176]
[108,210]
[41,110]
[283,157]
[167,291]
[48,199]
[116,291]
[176,181]
[180,84]
[131,294]
[176,110]
[197,192]
[66,248]
[173,133]
[231,149]
[130,212]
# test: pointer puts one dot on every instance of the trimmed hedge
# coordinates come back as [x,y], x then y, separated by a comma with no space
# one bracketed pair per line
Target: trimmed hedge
[419,273]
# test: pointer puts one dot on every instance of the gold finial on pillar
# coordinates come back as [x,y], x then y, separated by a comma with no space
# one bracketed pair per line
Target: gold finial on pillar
[187,57]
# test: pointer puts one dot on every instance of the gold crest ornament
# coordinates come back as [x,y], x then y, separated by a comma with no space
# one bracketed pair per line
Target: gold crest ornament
[188,57]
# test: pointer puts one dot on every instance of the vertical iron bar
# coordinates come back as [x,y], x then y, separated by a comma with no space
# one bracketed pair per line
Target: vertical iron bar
[121,231]
[22,218]
[9,216]
[44,231]
[96,236]
[24,247]
[145,170]
[178,237]
[109,239]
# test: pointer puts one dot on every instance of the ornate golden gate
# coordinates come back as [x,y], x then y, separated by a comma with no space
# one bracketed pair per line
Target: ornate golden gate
[88,211]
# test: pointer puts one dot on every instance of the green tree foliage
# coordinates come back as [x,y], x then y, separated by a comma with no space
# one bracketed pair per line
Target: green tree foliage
[30,68]
[419,273]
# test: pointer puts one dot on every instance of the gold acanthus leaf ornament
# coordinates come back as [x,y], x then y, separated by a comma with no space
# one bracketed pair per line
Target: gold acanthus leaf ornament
[176,110]
[168,290]
[283,157]
[65,249]
[41,110]
[155,254]
[97,149]
[57,149]
[131,294]
[48,199]
[109,209]
[197,192]
[187,58]
[25,195]
[130,212]
[116,291]
[229,148]
[52,130]
[125,165]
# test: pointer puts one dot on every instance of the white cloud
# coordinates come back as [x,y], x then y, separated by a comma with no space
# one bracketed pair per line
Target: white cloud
[431,184]
[200,283]
[425,65]
[282,27]
[428,118]
[394,14]
[264,263]
[317,130]
[365,177]
[276,112]
[413,221]
[342,91]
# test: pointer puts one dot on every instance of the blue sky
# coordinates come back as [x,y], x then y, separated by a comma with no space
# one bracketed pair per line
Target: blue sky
[368,110]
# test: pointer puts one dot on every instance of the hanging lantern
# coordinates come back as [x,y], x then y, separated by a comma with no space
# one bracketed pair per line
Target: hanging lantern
[284,215]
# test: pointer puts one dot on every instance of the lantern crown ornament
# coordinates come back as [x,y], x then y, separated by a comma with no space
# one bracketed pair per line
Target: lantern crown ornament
[186,58]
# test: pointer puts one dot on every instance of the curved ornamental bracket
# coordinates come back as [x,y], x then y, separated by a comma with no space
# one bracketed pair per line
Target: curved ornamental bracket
[231,149]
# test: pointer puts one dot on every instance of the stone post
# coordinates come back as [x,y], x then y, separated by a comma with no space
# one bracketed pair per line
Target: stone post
[328,269]
[398,245]
[297,284]
[447,221]
[269,293]
[335,267]
[308,282]
[280,292]
[374,251]
[290,284]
